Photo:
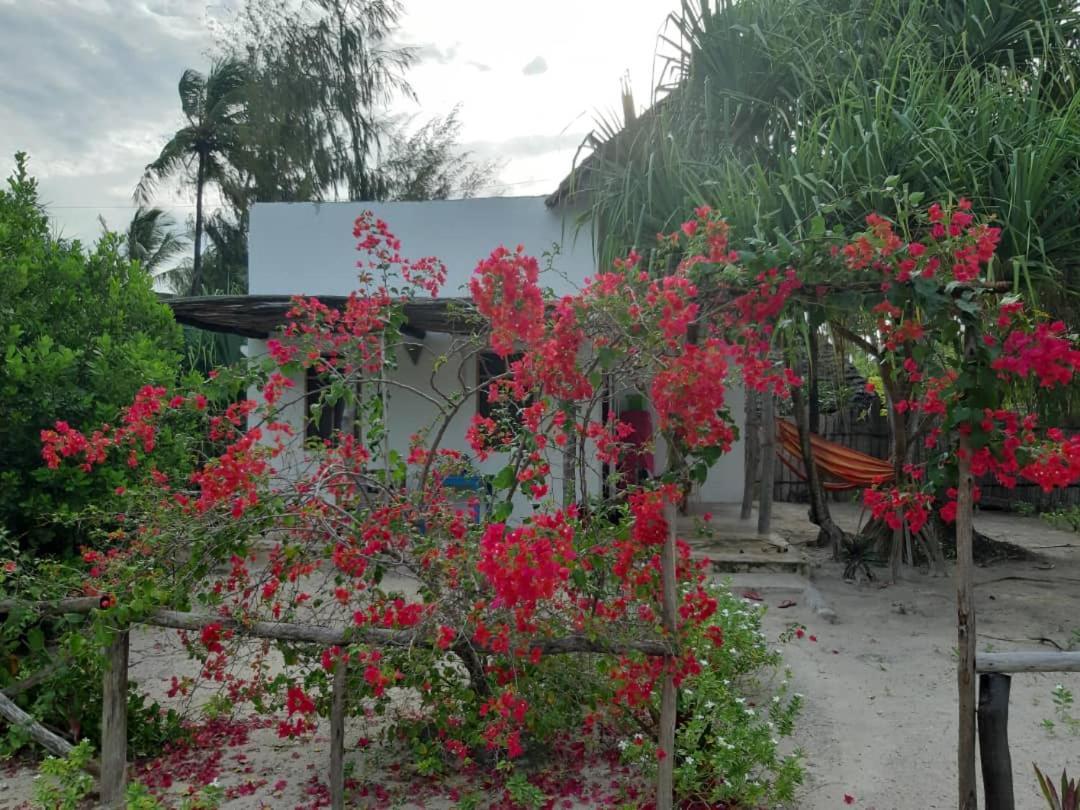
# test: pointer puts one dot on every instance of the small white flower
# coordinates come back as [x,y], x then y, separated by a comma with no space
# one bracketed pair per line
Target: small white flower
[750,712]
[623,745]
[775,741]
[740,700]
[689,760]
[798,695]
[709,704]
[776,699]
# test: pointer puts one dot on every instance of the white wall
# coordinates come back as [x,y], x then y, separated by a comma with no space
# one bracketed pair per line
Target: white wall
[309,249]
[725,481]
[411,412]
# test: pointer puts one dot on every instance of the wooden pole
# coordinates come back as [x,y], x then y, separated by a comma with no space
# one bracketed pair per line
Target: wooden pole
[994,741]
[1042,661]
[965,629]
[751,451]
[337,737]
[114,723]
[665,775]
[53,743]
[768,461]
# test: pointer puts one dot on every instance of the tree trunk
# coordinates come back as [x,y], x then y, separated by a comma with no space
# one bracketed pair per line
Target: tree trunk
[812,371]
[665,778]
[900,453]
[337,737]
[751,453]
[196,274]
[768,461]
[820,514]
[569,459]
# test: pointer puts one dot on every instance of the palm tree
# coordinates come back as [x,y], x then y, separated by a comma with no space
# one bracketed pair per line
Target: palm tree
[150,239]
[200,151]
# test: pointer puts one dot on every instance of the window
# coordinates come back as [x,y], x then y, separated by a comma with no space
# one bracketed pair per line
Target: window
[507,414]
[322,419]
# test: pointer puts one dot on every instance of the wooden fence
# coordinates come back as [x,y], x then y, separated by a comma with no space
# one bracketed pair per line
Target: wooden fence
[995,679]
[112,766]
[868,432]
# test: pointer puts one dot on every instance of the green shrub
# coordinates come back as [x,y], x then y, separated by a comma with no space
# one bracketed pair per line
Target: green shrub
[80,332]
[1067,518]
[62,784]
[732,717]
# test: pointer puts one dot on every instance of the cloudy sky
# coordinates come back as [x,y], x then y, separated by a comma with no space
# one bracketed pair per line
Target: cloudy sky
[88,87]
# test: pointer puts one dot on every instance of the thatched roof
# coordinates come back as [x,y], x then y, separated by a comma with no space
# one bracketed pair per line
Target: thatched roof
[259,316]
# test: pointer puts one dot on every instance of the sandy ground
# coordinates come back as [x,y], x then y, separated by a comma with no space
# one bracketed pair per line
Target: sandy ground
[880,719]
[880,697]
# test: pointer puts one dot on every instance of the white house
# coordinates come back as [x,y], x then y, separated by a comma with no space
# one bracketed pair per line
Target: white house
[308,249]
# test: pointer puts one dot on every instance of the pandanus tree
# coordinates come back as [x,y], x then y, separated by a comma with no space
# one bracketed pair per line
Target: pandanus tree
[784,113]
[201,150]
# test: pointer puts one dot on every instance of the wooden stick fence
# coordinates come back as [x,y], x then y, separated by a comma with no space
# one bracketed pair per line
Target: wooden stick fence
[112,768]
[995,680]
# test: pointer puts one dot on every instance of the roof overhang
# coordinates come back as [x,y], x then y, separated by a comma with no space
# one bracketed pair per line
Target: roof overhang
[260,316]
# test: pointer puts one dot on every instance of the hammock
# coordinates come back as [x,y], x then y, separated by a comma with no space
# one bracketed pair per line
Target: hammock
[848,468]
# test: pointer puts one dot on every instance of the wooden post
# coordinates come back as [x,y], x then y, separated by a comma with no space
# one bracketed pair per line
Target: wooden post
[768,461]
[665,775]
[337,737]
[965,628]
[114,723]
[751,451]
[994,741]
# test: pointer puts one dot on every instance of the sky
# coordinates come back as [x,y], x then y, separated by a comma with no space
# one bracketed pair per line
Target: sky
[88,87]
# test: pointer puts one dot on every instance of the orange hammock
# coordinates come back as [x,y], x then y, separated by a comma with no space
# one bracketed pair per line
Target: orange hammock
[848,468]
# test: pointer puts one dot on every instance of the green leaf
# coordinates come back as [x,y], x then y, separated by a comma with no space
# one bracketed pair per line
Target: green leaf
[968,306]
[35,639]
[817,227]
[504,478]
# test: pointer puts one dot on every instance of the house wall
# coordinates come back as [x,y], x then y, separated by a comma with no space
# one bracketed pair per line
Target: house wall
[411,412]
[309,249]
[725,481]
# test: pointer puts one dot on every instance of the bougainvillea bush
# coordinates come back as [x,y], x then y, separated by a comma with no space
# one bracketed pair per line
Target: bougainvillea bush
[510,632]
[506,633]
